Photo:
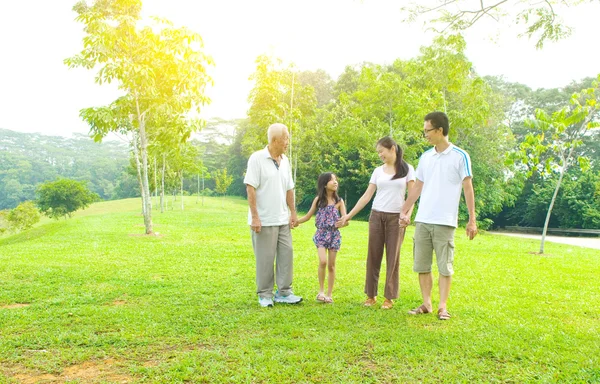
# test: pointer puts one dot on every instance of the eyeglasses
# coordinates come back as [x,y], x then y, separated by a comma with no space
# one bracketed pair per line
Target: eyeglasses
[425,131]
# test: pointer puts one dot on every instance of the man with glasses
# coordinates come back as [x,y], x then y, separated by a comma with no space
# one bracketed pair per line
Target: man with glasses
[442,173]
[271,214]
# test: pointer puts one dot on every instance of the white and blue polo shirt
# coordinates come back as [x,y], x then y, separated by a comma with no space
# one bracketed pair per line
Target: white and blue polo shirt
[442,175]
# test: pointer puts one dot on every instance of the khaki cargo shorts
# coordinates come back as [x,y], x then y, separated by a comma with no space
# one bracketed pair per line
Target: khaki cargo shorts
[430,237]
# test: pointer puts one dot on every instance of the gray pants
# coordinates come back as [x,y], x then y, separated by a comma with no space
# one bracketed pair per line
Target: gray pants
[273,245]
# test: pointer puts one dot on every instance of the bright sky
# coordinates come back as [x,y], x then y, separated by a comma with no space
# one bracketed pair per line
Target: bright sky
[38,93]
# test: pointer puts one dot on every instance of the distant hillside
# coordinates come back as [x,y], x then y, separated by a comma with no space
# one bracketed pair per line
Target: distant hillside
[29,159]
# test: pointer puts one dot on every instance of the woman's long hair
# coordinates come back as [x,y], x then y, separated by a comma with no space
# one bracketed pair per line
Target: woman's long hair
[322,190]
[401,166]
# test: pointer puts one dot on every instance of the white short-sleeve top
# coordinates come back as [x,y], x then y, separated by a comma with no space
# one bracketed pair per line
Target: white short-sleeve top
[390,193]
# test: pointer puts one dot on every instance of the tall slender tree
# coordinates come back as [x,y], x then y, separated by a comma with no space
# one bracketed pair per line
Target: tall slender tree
[160,68]
[556,138]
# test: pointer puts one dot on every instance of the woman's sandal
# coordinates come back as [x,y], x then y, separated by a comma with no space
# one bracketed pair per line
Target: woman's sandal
[322,298]
[328,300]
[420,310]
[443,314]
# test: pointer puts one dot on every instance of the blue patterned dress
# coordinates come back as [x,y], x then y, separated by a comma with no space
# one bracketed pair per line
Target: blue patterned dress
[327,235]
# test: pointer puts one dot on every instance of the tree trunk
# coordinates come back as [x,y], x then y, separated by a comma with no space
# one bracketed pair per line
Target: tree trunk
[198,197]
[291,131]
[162,185]
[391,122]
[145,189]
[138,167]
[181,177]
[566,161]
[346,197]
[155,180]
[562,172]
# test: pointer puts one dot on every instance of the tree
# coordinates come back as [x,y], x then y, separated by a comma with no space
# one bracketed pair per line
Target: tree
[63,197]
[24,216]
[222,181]
[161,69]
[184,159]
[4,224]
[379,100]
[29,159]
[557,137]
[278,96]
[541,18]
[321,83]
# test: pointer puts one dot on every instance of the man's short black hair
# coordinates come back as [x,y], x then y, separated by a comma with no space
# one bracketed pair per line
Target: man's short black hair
[438,120]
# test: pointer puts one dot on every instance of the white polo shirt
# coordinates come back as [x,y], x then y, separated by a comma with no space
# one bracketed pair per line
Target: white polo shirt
[442,175]
[390,193]
[271,185]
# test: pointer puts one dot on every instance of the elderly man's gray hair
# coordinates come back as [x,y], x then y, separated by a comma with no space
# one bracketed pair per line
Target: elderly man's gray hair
[275,130]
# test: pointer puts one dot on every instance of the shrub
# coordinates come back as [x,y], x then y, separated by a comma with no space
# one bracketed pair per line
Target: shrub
[63,197]
[24,216]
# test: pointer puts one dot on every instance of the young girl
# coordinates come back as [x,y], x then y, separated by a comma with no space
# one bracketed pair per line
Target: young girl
[328,206]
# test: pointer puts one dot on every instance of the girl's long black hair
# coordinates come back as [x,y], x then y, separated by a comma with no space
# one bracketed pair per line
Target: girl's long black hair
[401,166]
[322,190]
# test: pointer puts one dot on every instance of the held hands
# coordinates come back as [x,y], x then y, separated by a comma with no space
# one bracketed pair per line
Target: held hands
[471,230]
[404,220]
[342,222]
[294,221]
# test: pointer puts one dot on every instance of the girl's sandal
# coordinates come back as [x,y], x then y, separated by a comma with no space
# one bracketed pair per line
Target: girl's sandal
[328,300]
[322,298]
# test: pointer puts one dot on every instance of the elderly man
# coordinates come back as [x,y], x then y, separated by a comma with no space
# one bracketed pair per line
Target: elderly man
[271,215]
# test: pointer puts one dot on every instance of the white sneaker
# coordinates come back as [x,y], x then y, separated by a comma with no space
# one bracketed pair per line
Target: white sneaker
[265,302]
[289,299]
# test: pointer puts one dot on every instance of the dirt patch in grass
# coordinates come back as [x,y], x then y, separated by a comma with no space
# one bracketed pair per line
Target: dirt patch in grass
[87,372]
[539,254]
[118,303]
[13,306]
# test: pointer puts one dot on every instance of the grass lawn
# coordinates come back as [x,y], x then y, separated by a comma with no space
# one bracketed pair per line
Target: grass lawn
[90,300]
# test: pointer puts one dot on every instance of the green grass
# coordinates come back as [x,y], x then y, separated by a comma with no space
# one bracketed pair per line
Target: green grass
[108,305]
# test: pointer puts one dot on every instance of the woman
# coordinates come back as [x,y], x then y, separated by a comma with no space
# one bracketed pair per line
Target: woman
[390,183]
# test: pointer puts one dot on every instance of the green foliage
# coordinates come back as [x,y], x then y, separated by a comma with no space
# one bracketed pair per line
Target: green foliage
[555,139]
[392,100]
[371,101]
[4,224]
[552,145]
[24,216]
[166,309]
[29,159]
[541,19]
[321,83]
[63,197]
[160,68]
[577,203]
[222,181]
[277,96]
